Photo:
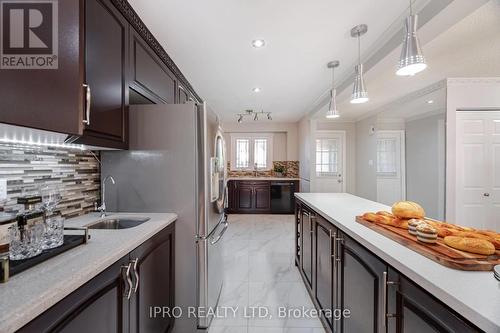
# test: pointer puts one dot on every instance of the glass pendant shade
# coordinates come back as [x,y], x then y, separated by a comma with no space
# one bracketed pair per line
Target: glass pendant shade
[332,112]
[359,93]
[412,60]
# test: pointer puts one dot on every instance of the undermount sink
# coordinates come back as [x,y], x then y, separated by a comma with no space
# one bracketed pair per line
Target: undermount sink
[118,223]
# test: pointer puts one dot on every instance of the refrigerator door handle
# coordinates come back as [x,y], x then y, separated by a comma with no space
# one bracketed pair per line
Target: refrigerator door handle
[219,236]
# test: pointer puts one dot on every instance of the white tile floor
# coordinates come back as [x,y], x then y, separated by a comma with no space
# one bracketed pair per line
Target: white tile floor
[259,271]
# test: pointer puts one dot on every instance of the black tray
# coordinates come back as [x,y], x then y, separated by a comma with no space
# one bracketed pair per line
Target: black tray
[70,241]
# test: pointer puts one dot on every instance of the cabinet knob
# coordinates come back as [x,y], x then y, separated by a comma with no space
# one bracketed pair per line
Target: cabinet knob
[486,194]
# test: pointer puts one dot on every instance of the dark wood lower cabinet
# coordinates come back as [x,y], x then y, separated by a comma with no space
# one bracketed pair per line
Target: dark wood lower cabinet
[249,197]
[341,274]
[154,262]
[325,263]
[98,306]
[361,284]
[307,245]
[102,305]
[413,310]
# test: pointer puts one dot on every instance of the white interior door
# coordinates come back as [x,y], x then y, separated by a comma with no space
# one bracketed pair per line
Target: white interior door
[391,185]
[478,169]
[328,167]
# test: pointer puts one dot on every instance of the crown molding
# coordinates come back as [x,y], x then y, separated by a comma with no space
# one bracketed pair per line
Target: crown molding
[462,81]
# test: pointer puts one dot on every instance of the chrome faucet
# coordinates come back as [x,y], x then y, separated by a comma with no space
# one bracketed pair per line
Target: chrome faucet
[102,207]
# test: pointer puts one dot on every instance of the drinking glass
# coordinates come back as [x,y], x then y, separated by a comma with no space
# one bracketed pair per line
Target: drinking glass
[54,232]
[51,196]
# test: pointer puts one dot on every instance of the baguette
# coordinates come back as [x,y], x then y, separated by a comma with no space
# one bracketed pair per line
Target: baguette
[473,245]
[383,213]
[370,217]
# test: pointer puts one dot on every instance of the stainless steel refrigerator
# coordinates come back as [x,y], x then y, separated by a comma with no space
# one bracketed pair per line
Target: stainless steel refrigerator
[176,163]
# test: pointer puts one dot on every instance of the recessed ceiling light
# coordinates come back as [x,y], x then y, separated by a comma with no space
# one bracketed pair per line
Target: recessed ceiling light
[430,101]
[257,43]
[256,89]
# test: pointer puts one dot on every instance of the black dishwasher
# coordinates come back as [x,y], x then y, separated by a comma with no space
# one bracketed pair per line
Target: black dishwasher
[282,197]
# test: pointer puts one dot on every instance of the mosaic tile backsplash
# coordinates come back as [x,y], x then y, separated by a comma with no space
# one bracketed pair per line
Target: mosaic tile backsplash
[76,173]
[291,167]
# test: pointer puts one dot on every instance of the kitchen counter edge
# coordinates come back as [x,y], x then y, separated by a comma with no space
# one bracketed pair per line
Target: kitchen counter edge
[474,295]
[27,295]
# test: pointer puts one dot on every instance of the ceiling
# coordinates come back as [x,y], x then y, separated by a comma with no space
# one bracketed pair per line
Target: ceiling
[467,45]
[210,41]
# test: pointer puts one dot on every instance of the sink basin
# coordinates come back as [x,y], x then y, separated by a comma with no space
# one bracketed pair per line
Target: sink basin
[118,223]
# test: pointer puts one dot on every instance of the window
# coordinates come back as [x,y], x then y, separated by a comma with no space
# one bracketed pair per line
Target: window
[242,153]
[251,150]
[327,158]
[260,153]
[386,156]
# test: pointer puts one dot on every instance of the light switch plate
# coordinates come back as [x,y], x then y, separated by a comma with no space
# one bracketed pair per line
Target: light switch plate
[3,189]
[370,162]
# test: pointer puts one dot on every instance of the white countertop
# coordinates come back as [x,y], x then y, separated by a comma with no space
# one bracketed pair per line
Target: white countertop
[474,295]
[30,293]
[263,178]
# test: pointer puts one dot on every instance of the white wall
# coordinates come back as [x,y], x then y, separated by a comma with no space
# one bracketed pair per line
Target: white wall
[425,164]
[285,137]
[473,94]
[304,151]
[366,157]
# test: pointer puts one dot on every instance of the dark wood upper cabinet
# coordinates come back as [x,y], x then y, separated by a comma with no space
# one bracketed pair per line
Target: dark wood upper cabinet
[149,75]
[50,99]
[183,95]
[154,262]
[106,60]
[98,306]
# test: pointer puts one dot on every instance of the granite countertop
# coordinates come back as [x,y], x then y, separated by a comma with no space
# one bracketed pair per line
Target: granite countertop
[474,295]
[262,178]
[30,293]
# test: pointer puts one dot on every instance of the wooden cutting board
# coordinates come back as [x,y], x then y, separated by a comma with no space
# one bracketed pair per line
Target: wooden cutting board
[439,252]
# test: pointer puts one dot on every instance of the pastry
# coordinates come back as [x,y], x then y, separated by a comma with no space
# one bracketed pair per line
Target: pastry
[475,234]
[408,210]
[412,226]
[426,233]
[473,245]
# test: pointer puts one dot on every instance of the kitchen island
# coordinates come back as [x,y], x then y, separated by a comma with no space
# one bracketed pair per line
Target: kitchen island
[61,288]
[462,301]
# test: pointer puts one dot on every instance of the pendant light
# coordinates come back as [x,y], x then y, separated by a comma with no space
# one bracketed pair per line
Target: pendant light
[412,60]
[359,93]
[332,112]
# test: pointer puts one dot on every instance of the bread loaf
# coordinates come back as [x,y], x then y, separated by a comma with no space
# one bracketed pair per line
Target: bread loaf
[408,210]
[473,245]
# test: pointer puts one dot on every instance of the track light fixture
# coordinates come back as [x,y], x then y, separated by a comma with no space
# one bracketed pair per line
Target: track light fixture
[253,114]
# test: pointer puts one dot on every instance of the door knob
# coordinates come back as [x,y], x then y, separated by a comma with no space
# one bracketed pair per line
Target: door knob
[486,194]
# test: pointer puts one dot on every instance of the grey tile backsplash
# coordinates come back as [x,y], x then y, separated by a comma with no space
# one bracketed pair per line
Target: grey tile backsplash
[75,172]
